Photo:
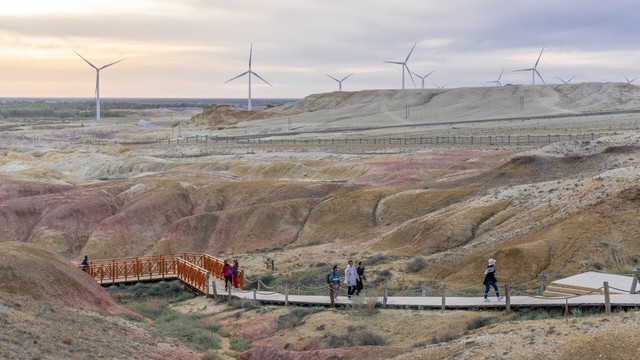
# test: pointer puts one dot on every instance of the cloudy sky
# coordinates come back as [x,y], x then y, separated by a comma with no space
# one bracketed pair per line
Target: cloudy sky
[189,48]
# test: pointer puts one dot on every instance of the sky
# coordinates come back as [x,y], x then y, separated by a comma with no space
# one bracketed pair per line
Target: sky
[190,48]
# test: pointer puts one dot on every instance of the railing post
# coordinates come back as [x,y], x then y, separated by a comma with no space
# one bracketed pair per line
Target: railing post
[286,295]
[384,299]
[543,277]
[215,288]
[634,282]
[444,295]
[607,299]
[113,271]
[229,291]
[138,268]
[424,289]
[254,294]
[507,299]
[299,290]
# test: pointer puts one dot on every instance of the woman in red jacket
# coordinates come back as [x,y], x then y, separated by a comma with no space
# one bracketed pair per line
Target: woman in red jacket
[227,272]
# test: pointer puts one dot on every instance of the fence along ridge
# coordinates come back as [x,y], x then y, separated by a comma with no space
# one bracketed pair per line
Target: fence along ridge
[450,140]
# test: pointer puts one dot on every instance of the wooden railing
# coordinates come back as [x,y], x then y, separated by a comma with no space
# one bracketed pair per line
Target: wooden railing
[192,268]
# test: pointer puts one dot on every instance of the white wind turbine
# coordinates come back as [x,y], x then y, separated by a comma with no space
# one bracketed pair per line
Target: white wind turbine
[404,66]
[340,81]
[567,81]
[250,72]
[423,77]
[534,70]
[440,87]
[497,82]
[629,81]
[97,82]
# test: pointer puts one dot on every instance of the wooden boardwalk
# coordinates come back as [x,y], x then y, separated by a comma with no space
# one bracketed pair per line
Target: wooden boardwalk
[435,302]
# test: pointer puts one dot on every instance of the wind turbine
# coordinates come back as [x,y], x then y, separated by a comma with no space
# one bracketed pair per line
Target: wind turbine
[340,81]
[250,72]
[404,66]
[568,81]
[629,81]
[534,70]
[497,82]
[98,82]
[440,87]
[423,77]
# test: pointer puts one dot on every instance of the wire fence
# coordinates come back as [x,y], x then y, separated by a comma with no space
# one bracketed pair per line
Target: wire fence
[448,140]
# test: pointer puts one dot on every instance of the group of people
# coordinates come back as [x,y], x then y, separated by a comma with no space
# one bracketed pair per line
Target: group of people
[353,278]
[230,274]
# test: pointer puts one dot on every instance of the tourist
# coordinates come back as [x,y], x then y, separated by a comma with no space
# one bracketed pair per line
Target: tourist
[490,280]
[85,264]
[351,278]
[334,283]
[234,273]
[361,278]
[227,272]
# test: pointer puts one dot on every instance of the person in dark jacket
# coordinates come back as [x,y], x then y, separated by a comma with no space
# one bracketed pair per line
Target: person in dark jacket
[361,278]
[235,270]
[85,264]
[490,280]
[334,284]
[227,272]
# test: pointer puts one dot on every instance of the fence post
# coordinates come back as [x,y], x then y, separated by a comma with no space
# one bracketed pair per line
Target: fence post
[634,282]
[507,295]
[607,299]
[254,294]
[215,289]
[299,289]
[471,140]
[543,277]
[424,289]
[229,290]
[444,295]
[286,295]
[586,267]
[490,141]
[384,299]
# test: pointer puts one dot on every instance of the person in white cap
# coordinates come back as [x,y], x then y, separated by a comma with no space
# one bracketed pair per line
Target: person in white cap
[490,280]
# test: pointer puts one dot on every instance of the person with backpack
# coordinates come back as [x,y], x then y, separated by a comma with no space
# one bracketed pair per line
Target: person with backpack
[85,264]
[333,279]
[351,278]
[235,270]
[490,280]
[361,278]
[227,273]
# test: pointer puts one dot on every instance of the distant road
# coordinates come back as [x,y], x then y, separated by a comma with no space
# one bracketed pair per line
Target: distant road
[556,116]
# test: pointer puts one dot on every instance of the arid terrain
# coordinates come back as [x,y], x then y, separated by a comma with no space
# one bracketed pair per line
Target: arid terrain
[533,208]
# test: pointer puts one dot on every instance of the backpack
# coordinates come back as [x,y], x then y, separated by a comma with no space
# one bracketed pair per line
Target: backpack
[329,277]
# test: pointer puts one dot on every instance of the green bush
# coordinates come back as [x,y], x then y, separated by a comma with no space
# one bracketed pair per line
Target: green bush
[239,345]
[249,304]
[367,338]
[296,315]
[445,334]
[480,322]
[538,315]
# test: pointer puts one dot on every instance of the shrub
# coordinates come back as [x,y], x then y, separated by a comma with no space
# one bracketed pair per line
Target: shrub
[480,322]
[417,264]
[249,304]
[538,315]
[240,345]
[377,258]
[295,316]
[367,338]
[364,305]
[445,334]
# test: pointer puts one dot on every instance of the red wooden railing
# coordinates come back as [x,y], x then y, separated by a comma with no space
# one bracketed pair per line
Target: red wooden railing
[192,268]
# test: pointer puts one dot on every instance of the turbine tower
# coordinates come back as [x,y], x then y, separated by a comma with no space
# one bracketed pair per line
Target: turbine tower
[497,82]
[567,81]
[629,81]
[250,72]
[98,82]
[423,77]
[404,66]
[340,81]
[534,70]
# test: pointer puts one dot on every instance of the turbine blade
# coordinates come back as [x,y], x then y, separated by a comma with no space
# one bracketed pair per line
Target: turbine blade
[111,64]
[333,78]
[414,46]
[345,78]
[634,79]
[540,76]
[394,62]
[524,70]
[574,76]
[86,60]
[250,55]
[258,76]
[429,74]
[564,82]
[501,72]
[539,56]
[411,76]
[244,73]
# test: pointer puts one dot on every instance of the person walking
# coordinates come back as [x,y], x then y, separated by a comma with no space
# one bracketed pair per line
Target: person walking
[235,270]
[351,278]
[227,273]
[361,278]
[490,280]
[334,283]
[85,264]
